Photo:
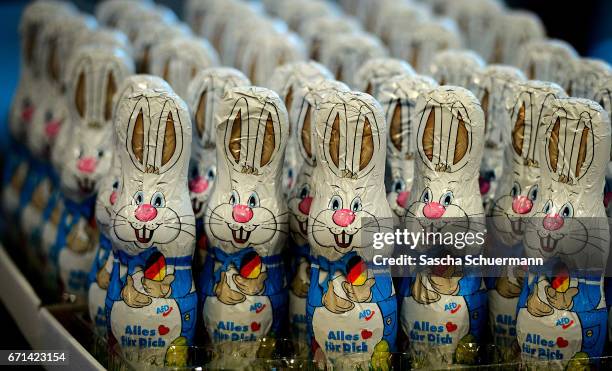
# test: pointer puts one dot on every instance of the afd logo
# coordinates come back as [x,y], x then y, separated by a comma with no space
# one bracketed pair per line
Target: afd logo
[164,310]
[257,307]
[564,322]
[452,307]
[366,314]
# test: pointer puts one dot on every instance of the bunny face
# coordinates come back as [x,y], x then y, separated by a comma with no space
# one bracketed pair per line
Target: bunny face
[179,60]
[519,187]
[449,150]
[569,215]
[548,60]
[348,203]
[205,94]
[398,98]
[455,67]
[246,208]
[303,108]
[378,70]
[153,207]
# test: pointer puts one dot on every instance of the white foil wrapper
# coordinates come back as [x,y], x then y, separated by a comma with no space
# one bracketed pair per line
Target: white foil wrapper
[604,98]
[246,220]
[514,28]
[178,60]
[348,206]
[455,67]
[398,97]
[566,309]
[152,33]
[495,87]
[419,46]
[345,53]
[131,19]
[237,34]
[377,71]
[548,60]
[317,31]
[395,16]
[588,75]
[296,12]
[151,299]
[108,12]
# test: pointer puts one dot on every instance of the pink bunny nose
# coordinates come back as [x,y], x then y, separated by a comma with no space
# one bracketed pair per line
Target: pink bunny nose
[304,205]
[27,113]
[145,212]
[198,185]
[113,198]
[484,186]
[552,222]
[521,205]
[52,128]
[242,213]
[433,210]
[343,217]
[87,165]
[402,198]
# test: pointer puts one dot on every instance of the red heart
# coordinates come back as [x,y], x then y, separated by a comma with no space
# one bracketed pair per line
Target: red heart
[255,326]
[365,334]
[450,327]
[561,342]
[163,330]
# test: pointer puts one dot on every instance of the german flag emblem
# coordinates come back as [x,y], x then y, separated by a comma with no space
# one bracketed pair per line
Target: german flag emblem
[561,278]
[357,271]
[155,268]
[250,266]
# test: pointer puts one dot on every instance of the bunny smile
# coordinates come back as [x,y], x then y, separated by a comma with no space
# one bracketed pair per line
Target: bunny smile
[196,205]
[144,235]
[517,225]
[86,185]
[343,239]
[241,235]
[549,243]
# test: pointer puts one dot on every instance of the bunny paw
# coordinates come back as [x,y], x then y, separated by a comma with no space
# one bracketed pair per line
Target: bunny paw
[335,303]
[361,293]
[537,307]
[226,294]
[103,278]
[251,286]
[158,289]
[132,297]
[299,287]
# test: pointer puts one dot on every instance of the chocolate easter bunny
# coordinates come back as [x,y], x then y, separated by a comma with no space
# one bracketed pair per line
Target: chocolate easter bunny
[394,16]
[150,33]
[494,87]
[108,190]
[588,74]
[95,73]
[562,302]
[455,67]
[317,31]
[108,12]
[398,97]
[351,305]
[151,301]
[548,60]
[517,191]
[604,97]
[178,60]
[205,94]
[443,307]
[377,71]
[130,19]
[243,280]
[515,27]
[303,108]
[286,81]
[345,53]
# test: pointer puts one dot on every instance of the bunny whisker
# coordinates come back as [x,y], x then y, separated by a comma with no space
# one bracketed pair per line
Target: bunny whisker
[182,230]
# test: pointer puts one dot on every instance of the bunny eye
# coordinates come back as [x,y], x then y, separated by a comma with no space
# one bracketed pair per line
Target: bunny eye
[335,203]
[100,153]
[139,197]
[234,198]
[116,185]
[516,190]
[194,172]
[398,185]
[158,200]
[356,204]
[211,173]
[547,207]
[48,116]
[305,191]
[253,200]
[447,198]
[80,152]
[426,197]
[567,211]
[533,193]
[26,103]
[290,173]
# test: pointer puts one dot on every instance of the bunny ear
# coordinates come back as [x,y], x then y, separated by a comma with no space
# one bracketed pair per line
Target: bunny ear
[307,132]
[253,70]
[30,42]
[169,146]
[395,128]
[235,136]
[428,135]
[484,103]
[553,145]
[461,142]
[79,96]
[200,115]
[518,132]
[367,145]
[111,90]
[53,66]
[582,151]
[339,72]
[268,142]
[414,57]
[334,141]
[368,89]
[531,71]
[166,70]
[138,137]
